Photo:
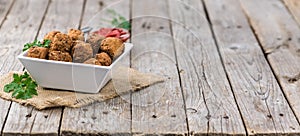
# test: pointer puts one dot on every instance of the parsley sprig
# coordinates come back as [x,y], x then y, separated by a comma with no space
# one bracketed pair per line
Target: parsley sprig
[45,44]
[22,87]
[118,20]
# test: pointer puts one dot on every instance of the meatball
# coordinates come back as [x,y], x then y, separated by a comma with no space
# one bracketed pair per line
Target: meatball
[95,40]
[113,46]
[38,52]
[92,61]
[61,42]
[103,58]
[81,51]
[75,34]
[50,36]
[60,56]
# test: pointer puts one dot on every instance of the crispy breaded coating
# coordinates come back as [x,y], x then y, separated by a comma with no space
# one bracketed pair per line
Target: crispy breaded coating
[81,51]
[61,42]
[50,36]
[38,52]
[104,59]
[92,61]
[60,56]
[114,47]
[95,40]
[75,34]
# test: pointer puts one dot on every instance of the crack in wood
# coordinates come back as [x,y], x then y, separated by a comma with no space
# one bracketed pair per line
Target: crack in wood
[273,121]
[31,126]
[8,11]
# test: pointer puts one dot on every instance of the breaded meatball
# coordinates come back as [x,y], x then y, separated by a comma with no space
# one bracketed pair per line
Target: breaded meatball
[103,58]
[92,61]
[38,52]
[113,46]
[50,36]
[60,56]
[81,51]
[61,42]
[75,34]
[95,40]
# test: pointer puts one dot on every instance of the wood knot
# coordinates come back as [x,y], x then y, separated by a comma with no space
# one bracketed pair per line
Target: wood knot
[280,114]
[154,116]
[28,115]
[226,117]
[208,116]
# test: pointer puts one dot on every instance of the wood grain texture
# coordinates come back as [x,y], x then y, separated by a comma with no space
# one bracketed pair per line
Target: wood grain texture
[159,109]
[5,105]
[20,27]
[4,9]
[62,16]
[96,13]
[106,118]
[5,6]
[294,7]
[279,36]
[47,122]
[258,94]
[112,117]
[27,121]
[211,108]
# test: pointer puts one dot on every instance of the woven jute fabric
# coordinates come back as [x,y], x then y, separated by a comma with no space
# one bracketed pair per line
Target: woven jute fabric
[124,81]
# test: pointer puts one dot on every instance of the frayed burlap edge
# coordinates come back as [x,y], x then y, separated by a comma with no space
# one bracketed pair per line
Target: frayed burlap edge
[127,80]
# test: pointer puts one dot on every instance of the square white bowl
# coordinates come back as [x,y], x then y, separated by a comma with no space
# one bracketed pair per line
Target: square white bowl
[71,76]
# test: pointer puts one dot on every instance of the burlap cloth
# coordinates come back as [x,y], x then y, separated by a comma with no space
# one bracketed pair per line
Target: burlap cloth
[123,82]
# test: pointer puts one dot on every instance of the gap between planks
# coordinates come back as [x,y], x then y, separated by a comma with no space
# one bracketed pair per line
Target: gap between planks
[9,9]
[223,65]
[292,7]
[178,70]
[281,69]
[1,23]
[38,31]
[96,118]
[266,72]
[266,58]
[209,107]
[4,19]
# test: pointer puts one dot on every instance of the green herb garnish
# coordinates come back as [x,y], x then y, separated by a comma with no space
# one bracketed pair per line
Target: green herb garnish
[118,20]
[45,44]
[23,87]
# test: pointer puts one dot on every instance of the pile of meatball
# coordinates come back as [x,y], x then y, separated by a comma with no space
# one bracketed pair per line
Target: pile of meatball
[71,47]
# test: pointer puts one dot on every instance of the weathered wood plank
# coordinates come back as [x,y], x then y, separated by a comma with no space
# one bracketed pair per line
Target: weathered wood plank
[112,117]
[159,109]
[4,9]
[279,36]
[256,89]
[211,108]
[27,121]
[5,107]
[47,121]
[62,15]
[97,119]
[18,29]
[294,7]
[5,6]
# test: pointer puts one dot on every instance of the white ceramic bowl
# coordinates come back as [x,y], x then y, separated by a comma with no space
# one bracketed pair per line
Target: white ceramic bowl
[76,77]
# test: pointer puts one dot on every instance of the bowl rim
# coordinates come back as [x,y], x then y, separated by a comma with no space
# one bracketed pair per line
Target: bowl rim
[128,47]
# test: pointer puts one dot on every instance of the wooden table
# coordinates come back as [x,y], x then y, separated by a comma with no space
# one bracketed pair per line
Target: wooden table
[232,67]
